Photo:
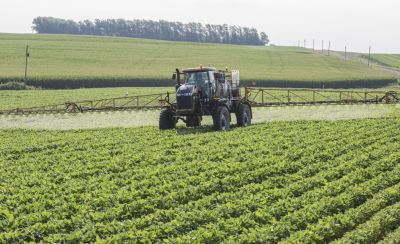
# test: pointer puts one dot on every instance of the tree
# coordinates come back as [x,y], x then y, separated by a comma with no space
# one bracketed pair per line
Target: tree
[163,30]
[264,38]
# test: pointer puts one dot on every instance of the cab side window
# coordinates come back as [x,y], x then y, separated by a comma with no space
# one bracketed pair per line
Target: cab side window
[203,78]
[212,78]
[211,74]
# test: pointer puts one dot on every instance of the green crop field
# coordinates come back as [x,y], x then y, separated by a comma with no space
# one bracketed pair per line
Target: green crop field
[10,99]
[392,60]
[299,182]
[59,61]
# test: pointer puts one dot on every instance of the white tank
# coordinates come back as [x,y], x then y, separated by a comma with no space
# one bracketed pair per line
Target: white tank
[235,79]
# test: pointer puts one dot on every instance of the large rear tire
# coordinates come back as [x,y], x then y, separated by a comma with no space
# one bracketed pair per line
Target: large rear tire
[167,120]
[221,119]
[243,115]
[193,121]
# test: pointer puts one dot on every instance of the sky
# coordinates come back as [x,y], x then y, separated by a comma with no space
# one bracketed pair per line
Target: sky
[356,24]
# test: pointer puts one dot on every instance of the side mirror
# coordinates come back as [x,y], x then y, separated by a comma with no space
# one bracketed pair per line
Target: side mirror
[174,76]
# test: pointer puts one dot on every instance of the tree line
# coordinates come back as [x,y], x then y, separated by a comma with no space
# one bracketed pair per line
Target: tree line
[149,29]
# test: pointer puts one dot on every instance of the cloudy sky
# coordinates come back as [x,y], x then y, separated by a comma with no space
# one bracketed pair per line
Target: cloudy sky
[353,23]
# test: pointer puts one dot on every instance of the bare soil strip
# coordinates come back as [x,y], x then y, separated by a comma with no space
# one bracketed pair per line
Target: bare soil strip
[150,118]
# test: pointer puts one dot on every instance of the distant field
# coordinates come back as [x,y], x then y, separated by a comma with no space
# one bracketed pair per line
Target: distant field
[33,98]
[59,61]
[392,60]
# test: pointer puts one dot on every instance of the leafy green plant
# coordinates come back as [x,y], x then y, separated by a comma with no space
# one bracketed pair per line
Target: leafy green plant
[15,85]
[299,182]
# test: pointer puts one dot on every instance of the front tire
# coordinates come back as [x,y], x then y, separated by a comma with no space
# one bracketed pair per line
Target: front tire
[193,121]
[221,119]
[243,115]
[167,120]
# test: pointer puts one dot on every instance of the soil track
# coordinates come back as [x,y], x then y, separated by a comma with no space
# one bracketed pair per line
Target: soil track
[150,118]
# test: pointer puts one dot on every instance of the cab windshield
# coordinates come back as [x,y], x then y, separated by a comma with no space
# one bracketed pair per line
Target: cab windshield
[197,78]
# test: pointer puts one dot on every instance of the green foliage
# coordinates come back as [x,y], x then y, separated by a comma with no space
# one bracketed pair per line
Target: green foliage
[392,60]
[65,61]
[32,98]
[375,228]
[289,181]
[162,30]
[392,238]
[14,85]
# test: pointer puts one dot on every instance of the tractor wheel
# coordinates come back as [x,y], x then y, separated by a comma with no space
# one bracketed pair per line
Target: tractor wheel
[221,118]
[243,115]
[167,120]
[193,121]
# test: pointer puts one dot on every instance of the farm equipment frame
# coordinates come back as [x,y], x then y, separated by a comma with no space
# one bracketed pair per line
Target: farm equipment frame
[255,96]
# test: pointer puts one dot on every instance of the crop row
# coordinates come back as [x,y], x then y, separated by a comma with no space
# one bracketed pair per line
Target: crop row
[273,182]
[257,191]
[331,227]
[78,61]
[378,226]
[105,82]
[392,237]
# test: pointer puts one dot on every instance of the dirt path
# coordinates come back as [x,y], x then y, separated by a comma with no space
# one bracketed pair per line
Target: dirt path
[150,118]
[395,71]
[356,56]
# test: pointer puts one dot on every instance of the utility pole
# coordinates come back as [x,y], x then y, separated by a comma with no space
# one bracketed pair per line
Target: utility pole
[329,48]
[313,45]
[345,52]
[322,47]
[298,43]
[26,62]
[369,55]
[305,44]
